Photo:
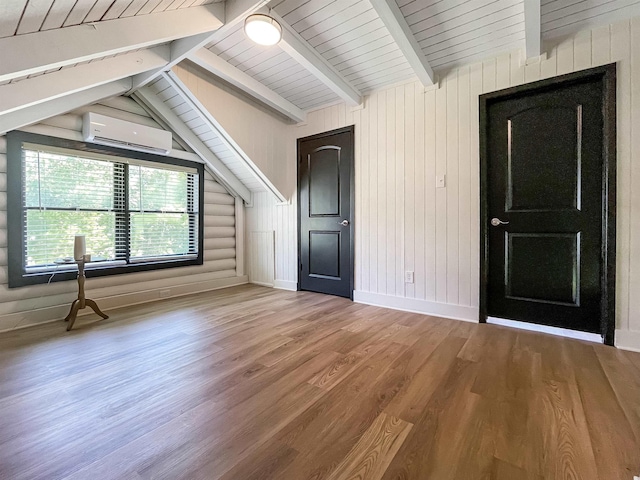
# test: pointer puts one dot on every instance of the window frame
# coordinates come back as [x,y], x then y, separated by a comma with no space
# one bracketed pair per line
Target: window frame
[17,274]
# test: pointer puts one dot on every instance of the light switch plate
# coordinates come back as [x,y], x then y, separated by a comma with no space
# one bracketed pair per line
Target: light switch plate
[441,181]
[408,277]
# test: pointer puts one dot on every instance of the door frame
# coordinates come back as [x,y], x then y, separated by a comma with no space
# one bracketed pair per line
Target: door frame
[607,75]
[352,198]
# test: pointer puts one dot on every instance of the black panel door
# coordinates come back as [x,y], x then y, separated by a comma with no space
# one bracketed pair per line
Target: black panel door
[544,196]
[325,166]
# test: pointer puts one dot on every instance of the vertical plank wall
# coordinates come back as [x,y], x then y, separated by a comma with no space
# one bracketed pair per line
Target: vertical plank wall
[406,136]
[29,305]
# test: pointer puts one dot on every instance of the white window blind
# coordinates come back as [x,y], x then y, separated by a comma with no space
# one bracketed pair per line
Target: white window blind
[162,218]
[129,211]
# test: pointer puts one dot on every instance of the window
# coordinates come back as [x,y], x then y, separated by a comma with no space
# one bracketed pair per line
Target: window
[136,213]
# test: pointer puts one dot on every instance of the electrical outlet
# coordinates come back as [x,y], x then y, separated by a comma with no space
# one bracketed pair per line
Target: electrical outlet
[165,293]
[441,181]
[408,277]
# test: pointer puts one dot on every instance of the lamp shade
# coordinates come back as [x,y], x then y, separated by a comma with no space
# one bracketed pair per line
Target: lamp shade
[79,247]
[262,29]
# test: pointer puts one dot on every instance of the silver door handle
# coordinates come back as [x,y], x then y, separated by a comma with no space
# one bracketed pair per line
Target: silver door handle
[344,223]
[496,222]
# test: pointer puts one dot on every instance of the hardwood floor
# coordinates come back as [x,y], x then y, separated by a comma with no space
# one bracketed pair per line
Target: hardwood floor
[254,383]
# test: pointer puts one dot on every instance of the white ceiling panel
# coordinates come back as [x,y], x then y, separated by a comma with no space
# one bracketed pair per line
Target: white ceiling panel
[564,17]
[18,17]
[478,51]
[273,68]
[347,34]
[454,32]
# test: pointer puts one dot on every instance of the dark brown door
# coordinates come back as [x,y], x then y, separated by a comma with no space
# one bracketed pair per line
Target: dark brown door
[325,168]
[545,197]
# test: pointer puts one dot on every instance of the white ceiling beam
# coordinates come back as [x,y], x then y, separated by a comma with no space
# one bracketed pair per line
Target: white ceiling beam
[32,53]
[33,91]
[227,139]
[58,106]
[236,77]
[176,124]
[235,11]
[307,56]
[532,29]
[398,28]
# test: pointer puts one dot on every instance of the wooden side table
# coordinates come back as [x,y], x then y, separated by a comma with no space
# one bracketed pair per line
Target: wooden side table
[81,302]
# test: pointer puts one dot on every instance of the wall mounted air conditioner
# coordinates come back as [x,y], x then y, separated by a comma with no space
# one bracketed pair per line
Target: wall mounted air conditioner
[113,132]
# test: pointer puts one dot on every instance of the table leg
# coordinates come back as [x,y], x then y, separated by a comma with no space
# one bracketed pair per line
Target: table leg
[81,302]
[95,308]
[66,319]
[73,314]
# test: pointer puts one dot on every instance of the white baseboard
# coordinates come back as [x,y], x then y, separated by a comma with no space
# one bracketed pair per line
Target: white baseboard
[534,327]
[628,340]
[286,285]
[55,313]
[436,309]
[262,284]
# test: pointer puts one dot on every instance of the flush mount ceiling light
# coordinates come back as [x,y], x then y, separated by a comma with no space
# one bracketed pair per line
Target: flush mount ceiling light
[262,29]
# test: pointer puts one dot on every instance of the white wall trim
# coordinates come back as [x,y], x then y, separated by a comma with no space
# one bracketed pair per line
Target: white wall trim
[436,309]
[534,327]
[240,229]
[286,285]
[628,340]
[56,313]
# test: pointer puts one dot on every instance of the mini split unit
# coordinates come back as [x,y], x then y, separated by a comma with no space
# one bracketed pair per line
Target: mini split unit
[112,132]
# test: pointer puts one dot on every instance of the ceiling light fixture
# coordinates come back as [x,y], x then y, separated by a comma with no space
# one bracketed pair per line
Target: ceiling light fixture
[262,29]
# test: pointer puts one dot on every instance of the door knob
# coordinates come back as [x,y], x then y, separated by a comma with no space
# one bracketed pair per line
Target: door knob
[344,223]
[497,222]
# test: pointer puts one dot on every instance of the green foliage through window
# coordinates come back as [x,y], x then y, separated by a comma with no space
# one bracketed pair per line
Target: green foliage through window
[65,194]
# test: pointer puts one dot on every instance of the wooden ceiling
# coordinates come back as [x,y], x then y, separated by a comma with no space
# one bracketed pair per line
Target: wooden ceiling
[332,50]
[18,17]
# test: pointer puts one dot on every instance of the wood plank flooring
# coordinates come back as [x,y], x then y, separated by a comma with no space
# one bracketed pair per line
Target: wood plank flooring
[254,383]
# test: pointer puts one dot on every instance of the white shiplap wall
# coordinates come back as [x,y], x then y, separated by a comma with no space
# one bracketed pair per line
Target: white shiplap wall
[269,215]
[406,136]
[24,306]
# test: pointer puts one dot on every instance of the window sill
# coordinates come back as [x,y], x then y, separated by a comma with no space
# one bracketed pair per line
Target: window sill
[97,269]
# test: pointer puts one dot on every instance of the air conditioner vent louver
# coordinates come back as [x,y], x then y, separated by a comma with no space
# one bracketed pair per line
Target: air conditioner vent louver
[113,132]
